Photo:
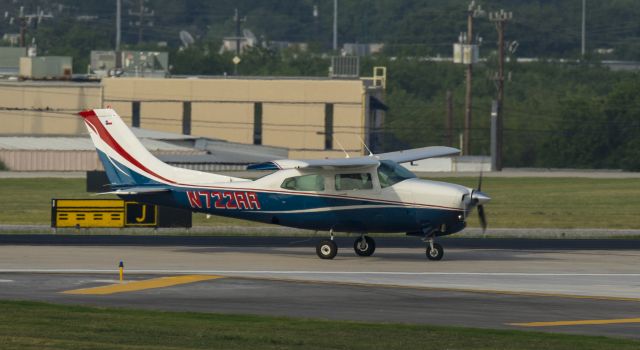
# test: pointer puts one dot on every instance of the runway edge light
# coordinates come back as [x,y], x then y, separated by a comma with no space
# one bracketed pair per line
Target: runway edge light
[121,268]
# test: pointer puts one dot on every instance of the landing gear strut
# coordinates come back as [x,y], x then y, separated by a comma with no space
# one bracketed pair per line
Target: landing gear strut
[364,246]
[434,251]
[327,248]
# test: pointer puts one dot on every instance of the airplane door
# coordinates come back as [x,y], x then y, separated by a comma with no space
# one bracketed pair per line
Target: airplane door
[355,201]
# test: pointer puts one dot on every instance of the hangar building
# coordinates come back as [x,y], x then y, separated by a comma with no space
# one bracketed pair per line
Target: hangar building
[311,117]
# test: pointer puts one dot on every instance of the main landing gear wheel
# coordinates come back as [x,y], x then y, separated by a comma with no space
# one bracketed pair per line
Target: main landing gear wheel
[364,246]
[435,252]
[327,249]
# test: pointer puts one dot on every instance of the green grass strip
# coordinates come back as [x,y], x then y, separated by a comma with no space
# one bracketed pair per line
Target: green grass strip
[516,202]
[34,325]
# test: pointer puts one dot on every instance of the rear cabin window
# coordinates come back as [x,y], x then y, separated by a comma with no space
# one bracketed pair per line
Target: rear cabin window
[349,182]
[304,183]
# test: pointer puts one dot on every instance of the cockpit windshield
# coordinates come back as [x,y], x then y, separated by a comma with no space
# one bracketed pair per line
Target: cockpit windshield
[391,173]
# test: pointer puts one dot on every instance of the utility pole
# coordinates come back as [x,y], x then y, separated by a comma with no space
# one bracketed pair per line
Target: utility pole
[448,140]
[118,33]
[494,134]
[24,20]
[118,24]
[316,14]
[238,38]
[23,27]
[335,25]
[584,26]
[472,12]
[500,18]
[466,149]
[143,12]
[140,18]
[465,51]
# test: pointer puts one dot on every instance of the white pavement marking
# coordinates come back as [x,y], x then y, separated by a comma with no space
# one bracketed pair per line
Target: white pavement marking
[6,281]
[102,281]
[387,273]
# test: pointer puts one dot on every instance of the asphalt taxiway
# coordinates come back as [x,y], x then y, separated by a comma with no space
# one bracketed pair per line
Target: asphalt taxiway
[522,285]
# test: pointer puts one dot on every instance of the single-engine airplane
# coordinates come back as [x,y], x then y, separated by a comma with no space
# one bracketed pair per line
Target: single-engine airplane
[358,195]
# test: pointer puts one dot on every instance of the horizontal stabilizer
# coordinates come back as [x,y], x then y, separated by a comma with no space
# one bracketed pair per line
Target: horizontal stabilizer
[137,190]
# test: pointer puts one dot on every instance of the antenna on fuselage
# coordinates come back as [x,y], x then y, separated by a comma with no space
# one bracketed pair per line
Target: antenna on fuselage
[365,146]
[346,155]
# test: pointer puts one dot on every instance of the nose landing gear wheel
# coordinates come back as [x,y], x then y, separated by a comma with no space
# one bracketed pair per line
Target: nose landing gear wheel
[436,252]
[364,246]
[327,249]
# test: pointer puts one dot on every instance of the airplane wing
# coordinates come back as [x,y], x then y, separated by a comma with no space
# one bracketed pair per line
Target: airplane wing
[316,163]
[411,155]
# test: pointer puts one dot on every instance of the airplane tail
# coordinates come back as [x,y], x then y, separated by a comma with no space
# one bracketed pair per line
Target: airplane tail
[129,164]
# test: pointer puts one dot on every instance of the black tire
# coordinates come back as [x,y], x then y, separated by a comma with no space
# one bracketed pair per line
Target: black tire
[365,249]
[327,249]
[436,253]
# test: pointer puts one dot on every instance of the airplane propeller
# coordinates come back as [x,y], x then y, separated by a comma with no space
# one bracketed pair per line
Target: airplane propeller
[478,198]
[483,218]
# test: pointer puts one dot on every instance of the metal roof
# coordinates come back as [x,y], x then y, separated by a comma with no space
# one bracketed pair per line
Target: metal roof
[160,135]
[78,144]
[175,148]
[218,151]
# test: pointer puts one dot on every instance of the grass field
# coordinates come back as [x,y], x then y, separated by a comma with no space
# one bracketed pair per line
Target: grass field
[559,202]
[28,201]
[517,202]
[31,325]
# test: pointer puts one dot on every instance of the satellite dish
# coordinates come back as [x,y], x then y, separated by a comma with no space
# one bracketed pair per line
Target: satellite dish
[186,38]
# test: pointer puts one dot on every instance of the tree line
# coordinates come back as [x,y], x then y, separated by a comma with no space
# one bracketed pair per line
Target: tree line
[578,114]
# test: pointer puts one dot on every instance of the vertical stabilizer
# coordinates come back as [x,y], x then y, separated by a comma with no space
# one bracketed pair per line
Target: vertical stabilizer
[128,163]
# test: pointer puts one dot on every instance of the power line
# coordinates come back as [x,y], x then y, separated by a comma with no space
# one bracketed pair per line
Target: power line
[65,113]
[143,12]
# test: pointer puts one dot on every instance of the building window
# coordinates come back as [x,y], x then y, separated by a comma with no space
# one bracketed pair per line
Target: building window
[328,126]
[186,118]
[350,182]
[135,114]
[257,123]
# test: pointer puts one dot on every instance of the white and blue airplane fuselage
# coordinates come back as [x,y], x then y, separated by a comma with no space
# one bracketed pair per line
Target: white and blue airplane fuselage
[358,195]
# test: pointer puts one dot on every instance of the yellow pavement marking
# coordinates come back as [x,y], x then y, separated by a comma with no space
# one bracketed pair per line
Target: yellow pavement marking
[133,286]
[576,323]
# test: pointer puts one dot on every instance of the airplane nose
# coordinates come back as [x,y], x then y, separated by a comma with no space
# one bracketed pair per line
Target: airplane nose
[479,197]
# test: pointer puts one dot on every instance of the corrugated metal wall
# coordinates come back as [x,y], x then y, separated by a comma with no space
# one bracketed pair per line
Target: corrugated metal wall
[17,160]
[42,160]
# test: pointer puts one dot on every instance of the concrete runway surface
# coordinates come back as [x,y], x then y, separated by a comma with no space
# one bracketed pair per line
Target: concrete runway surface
[519,286]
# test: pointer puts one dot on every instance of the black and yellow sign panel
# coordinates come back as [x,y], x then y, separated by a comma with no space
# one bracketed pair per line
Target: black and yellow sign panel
[83,213]
[138,214]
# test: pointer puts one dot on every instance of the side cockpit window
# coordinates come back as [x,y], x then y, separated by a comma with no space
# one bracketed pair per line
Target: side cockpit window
[390,173]
[350,182]
[311,182]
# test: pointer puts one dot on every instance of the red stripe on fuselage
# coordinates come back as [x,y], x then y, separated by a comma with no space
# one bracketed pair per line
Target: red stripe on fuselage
[91,118]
